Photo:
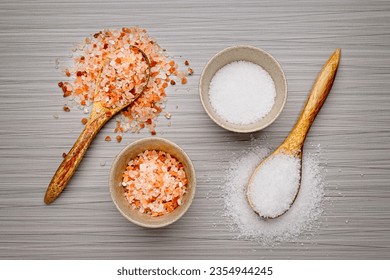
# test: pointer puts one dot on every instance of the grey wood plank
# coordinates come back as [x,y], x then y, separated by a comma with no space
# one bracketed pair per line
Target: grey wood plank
[353,127]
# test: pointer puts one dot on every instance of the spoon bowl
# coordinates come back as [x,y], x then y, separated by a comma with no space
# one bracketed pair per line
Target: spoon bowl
[271,194]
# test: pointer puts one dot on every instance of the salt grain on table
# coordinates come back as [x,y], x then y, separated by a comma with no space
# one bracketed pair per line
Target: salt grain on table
[242,92]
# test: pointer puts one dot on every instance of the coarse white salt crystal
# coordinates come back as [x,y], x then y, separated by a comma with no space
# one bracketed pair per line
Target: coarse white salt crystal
[300,218]
[242,92]
[275,185]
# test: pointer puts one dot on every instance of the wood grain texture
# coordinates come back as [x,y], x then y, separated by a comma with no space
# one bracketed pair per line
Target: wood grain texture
[294,142]
[73,158]
[352,127]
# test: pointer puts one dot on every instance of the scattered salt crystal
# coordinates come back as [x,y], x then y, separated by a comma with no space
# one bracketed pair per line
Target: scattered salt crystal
[167,115]
[57,63]
[275,185]
[301,217]
[242,92]
[102,163]
[55,115]
[86,111]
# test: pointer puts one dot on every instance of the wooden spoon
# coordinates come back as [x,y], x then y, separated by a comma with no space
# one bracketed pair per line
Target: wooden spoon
[293,144]
[100,115]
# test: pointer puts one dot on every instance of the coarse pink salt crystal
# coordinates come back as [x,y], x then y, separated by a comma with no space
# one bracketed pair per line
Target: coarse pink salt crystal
[155,183]
[123,74]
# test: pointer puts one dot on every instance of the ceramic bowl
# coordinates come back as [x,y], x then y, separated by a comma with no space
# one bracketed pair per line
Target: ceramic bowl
[254,55]
[117,191]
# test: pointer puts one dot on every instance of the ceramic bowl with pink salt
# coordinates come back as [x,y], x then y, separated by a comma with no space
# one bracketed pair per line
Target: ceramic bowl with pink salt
[243,89]
[152,182]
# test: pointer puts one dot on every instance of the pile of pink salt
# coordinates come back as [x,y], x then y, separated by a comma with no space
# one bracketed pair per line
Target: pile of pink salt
[122,70]
[155,183]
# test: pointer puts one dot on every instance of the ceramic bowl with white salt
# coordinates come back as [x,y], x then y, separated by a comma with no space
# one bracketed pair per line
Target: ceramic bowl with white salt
[243,89]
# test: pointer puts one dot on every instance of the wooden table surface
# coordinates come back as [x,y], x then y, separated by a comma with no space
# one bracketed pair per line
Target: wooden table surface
[353,127]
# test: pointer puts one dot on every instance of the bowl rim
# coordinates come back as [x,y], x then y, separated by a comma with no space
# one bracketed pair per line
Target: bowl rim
[190,197]
[242,130]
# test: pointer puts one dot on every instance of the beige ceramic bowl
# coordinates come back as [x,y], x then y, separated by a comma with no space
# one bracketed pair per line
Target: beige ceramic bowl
[117,191]
[254,55]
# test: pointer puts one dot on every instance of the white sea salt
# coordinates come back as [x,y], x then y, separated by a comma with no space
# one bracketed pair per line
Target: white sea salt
[242,92]
[275,185]
[300,218]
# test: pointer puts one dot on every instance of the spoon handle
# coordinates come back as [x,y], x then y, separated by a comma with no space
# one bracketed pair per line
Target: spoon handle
[320,90]
[74,157]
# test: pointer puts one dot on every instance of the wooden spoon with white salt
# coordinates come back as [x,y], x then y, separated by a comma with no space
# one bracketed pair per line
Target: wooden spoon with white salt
[275,183]
[99,116]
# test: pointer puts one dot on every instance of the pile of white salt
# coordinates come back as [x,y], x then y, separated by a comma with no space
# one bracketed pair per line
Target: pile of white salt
[300,218]
[275,185]
[242,92]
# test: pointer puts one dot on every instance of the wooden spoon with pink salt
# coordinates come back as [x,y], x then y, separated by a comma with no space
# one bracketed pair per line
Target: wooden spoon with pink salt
[275,183]
[101,114]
